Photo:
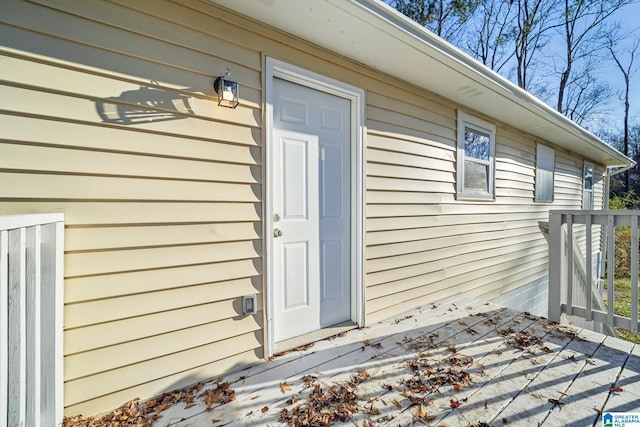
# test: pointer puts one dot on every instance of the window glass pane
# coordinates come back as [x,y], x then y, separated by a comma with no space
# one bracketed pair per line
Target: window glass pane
[476,144]
[475,158]
[588,178]
[545,165]
[476,176]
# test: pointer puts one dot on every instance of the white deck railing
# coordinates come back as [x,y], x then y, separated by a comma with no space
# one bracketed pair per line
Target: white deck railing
[573,289]
[31,303]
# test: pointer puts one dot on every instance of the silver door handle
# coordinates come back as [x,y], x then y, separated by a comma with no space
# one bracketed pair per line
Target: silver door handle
[277,232]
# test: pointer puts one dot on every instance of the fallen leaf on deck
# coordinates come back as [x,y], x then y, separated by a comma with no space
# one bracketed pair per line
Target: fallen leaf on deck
[372,410]
[265,409]
[304,347]
[308,380]
[555,402]
[221,394]
[422,415]
[454,404]
[284,387]
[615,389]
[523,340]
[323,408]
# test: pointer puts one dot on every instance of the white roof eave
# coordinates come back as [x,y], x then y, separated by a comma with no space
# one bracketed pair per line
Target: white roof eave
[374,34]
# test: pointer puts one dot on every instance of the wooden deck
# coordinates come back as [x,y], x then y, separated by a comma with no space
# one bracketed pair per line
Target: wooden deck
[459,363]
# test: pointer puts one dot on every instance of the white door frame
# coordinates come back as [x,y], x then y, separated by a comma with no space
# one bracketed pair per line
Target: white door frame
[282,70]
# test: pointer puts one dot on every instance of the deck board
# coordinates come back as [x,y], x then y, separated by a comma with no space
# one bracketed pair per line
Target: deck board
[588,393]
[563,377]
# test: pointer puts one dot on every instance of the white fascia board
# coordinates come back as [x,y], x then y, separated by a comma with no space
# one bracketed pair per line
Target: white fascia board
[376,35]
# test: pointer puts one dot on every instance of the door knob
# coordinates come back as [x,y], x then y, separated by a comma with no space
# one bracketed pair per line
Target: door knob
[277,232]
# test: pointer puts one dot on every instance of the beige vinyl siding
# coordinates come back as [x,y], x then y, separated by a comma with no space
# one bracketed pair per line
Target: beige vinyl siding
[423,245]
[164,207]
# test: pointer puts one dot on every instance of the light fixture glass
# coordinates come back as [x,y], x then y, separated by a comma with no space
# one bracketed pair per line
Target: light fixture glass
[227,89]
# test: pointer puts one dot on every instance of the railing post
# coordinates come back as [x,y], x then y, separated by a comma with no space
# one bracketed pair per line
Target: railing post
[555,266]
[33,305]
[51,405]
[17,384]
[569,271]
[611,255]
[589,269]
[4,324]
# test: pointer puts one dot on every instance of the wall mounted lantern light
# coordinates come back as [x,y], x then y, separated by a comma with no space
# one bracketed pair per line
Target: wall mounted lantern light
[227,89]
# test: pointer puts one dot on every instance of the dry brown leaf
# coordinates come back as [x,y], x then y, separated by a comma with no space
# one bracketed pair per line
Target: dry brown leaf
[190,405]
[161,408]
[265,409]
[285,387]
[372,410]
[397,405]
[555,402]
[422,412]
[304,347]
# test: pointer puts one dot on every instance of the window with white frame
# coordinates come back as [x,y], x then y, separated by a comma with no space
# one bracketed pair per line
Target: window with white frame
[545,167]
[476,158]
[587,190]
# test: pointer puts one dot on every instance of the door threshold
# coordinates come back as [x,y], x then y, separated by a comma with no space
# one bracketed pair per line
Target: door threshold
[314,336]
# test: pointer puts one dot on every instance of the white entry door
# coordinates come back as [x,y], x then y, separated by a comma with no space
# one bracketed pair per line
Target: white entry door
[311,203]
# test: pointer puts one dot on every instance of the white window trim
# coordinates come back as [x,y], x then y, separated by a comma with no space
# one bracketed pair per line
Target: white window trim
[468,121]
[538,198]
